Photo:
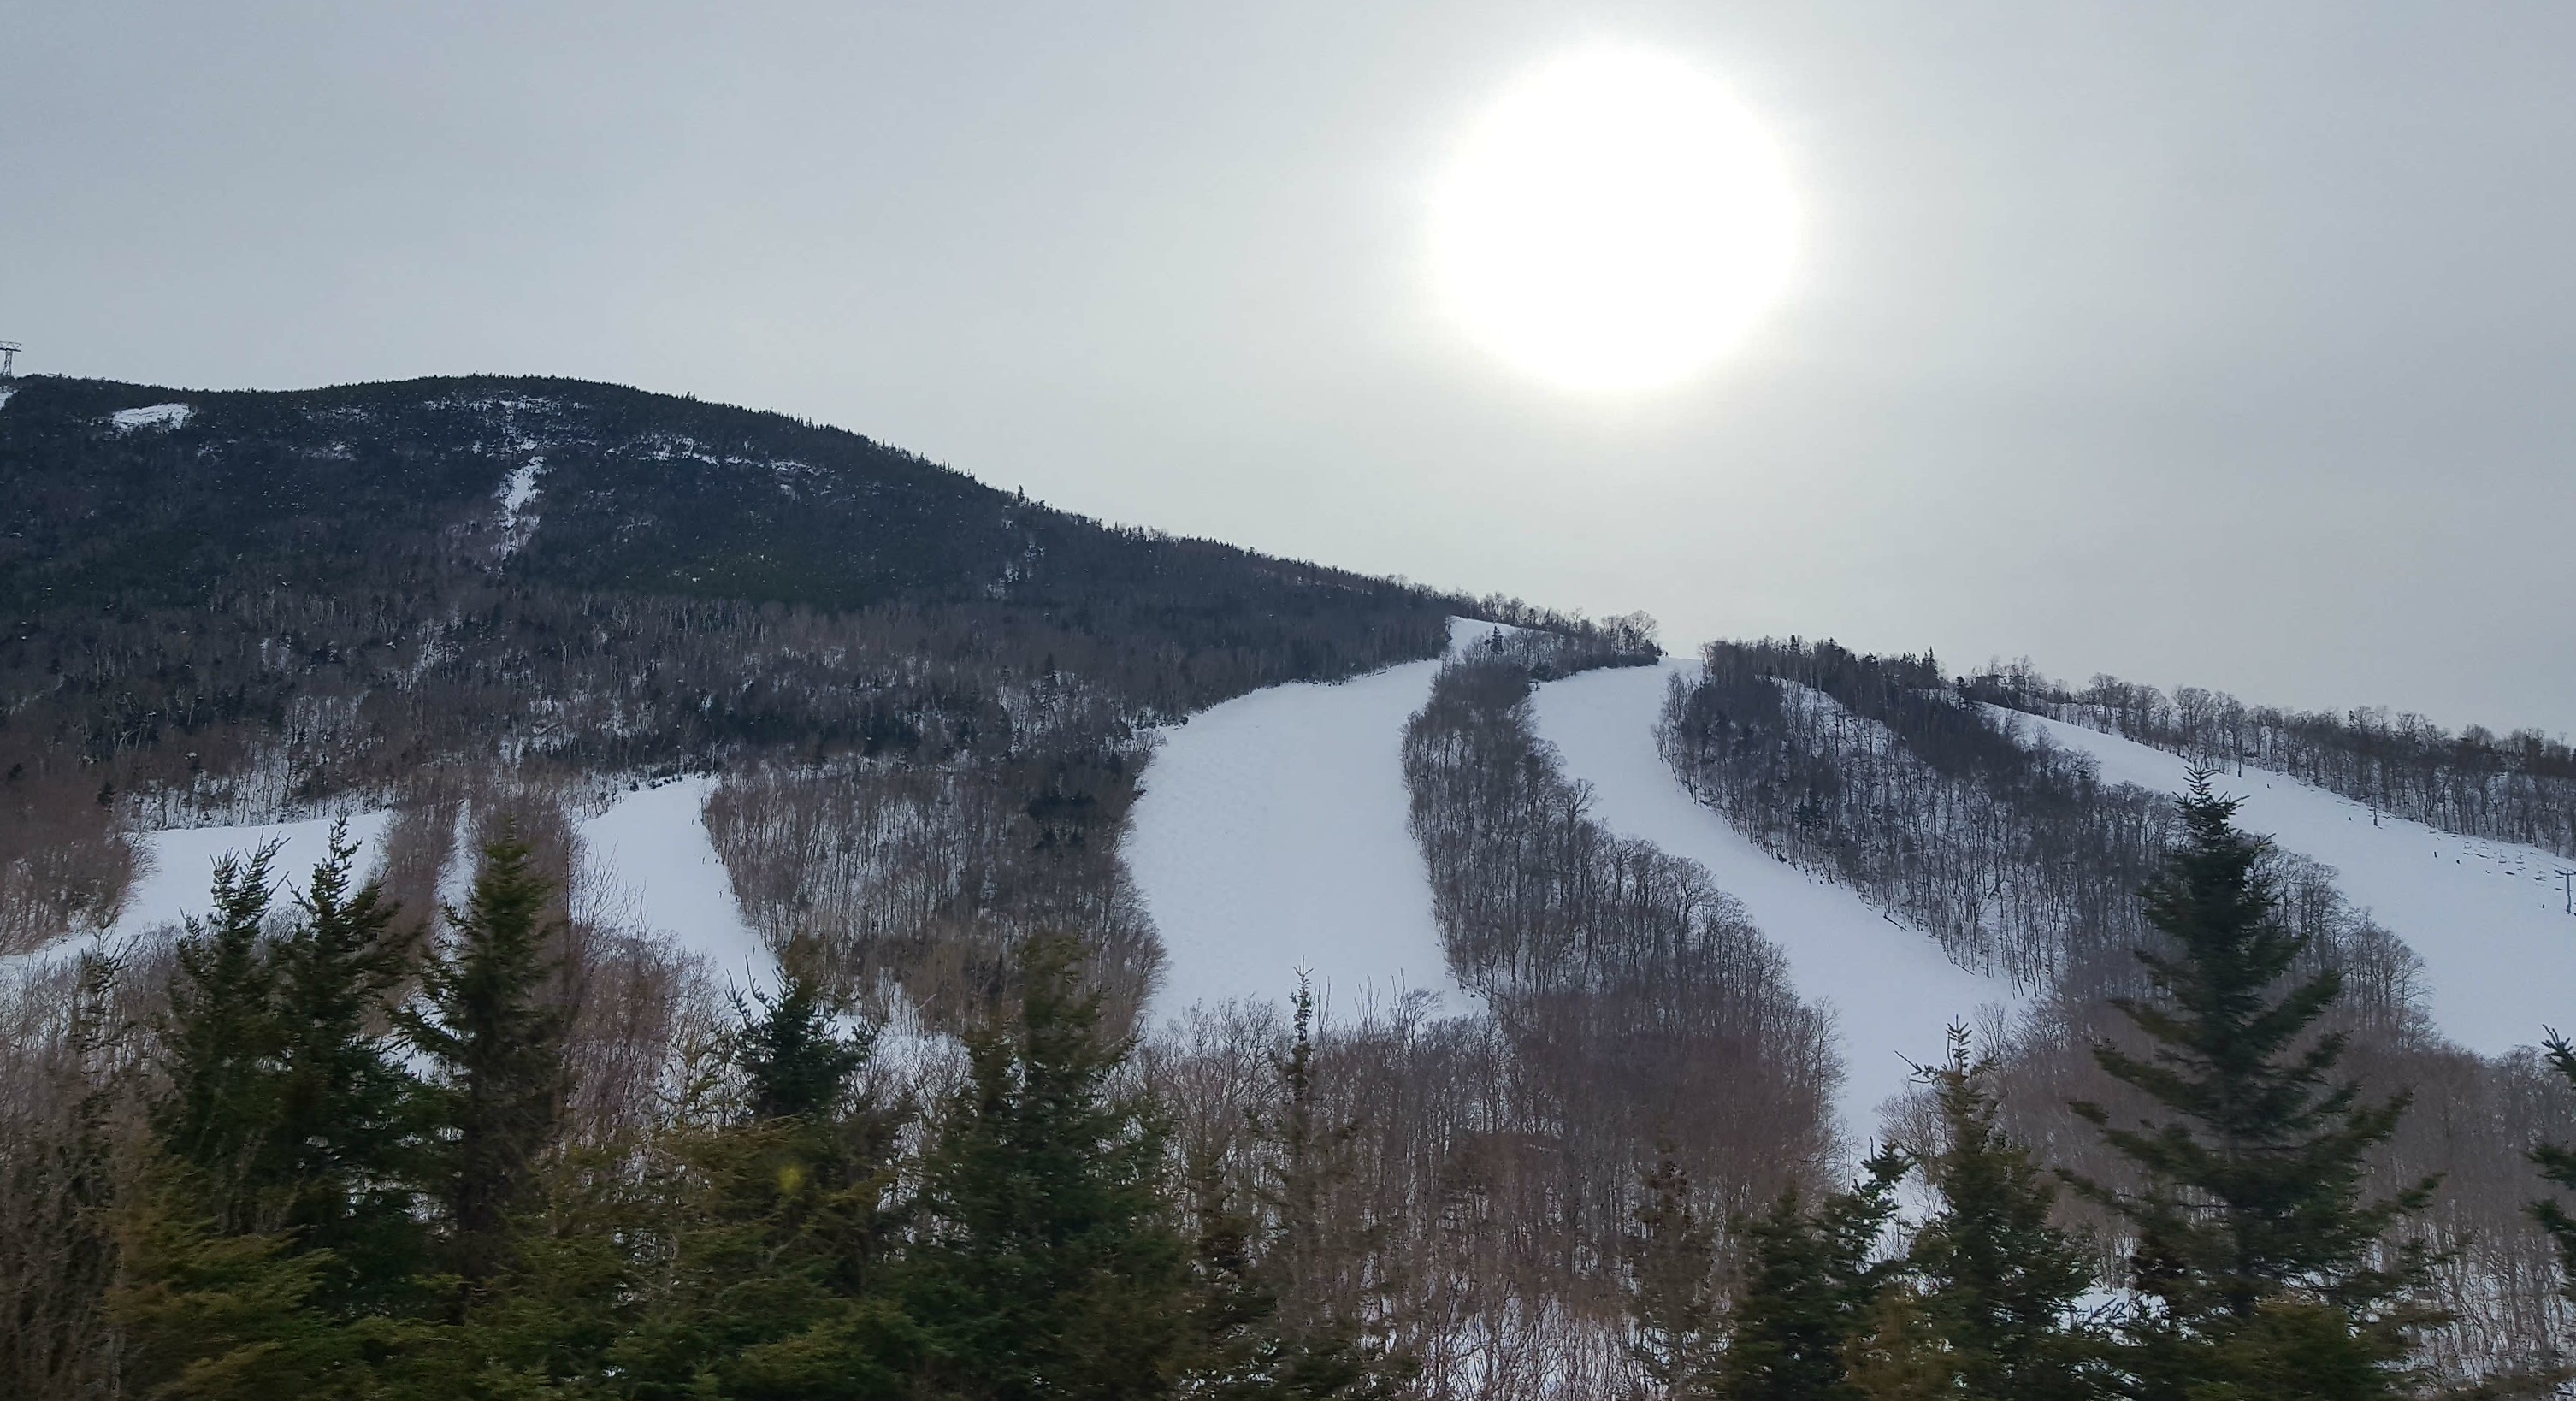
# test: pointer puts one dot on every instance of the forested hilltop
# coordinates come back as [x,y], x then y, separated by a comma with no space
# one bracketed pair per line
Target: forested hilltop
[228,607]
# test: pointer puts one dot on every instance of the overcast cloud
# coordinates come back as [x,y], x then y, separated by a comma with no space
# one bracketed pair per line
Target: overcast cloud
[2212,343]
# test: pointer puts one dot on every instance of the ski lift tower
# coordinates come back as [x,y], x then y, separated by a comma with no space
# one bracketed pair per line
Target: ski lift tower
[9,360]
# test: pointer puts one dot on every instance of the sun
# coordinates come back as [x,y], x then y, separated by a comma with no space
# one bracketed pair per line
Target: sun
[1616,222]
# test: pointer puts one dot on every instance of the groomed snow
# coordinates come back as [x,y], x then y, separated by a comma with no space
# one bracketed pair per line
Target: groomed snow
[2489,919]
[1272,836]
[1893,993]
[654,867]
[152,416]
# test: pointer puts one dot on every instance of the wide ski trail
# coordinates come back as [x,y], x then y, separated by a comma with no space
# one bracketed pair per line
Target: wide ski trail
[1273,835]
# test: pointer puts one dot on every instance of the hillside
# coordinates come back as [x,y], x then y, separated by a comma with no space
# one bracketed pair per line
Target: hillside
[769,703]
[249,607]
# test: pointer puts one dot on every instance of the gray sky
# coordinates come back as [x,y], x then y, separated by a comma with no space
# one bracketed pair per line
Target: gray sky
[2217,343]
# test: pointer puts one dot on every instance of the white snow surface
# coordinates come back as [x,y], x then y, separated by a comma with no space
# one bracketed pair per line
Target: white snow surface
[646,863]
[152,416]
[1892,992]
[518,491]
[1272,836]
[2489,919]
[179,865]
[656,868]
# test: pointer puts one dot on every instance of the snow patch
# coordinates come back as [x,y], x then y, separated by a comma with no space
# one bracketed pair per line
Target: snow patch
[1466,634]
[162,416]
[1894,994]
[2489,919]
[518,492]
[1273,835]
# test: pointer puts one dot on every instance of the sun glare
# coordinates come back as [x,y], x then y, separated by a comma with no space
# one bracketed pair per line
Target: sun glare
[1615,223]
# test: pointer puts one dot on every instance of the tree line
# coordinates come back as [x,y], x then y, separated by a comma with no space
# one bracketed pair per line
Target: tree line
[338,1160]
[2515,787]
[336,1156]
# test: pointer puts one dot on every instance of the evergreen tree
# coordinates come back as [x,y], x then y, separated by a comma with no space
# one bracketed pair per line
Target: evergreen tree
[1995,1283]
[221,1042]
[777,1289]
[2254,1243]
[2557,1164]
[499,1047]
[1670,1300]
[1812,1285]
[212,1314]
[1051,1264]
[346,1141]
[797,1064]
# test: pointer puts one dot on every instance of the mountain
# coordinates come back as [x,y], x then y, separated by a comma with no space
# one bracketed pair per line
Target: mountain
[245,606]
[769,696]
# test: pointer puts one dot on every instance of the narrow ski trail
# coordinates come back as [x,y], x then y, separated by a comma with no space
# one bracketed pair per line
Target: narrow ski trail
[2489,919]
[1893,993]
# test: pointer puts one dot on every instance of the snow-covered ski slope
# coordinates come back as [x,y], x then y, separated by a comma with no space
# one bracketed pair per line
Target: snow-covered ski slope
[647,863]
[1272,836]
[1893,993]
[2489,919]
[653,866]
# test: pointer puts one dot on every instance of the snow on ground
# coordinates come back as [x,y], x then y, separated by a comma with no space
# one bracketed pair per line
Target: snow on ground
[179,865]
[1272,836]
[154,416]
[653,866]
[1894,994]
[2489,919]
[518,491]
[647,863]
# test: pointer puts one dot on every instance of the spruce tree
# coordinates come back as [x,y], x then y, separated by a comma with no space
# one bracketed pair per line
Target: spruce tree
[796,1063]
[221,1042]
[1050,1263]
[1813,1282]
[1995,1283]
[498,1043]
[2557,1164]
[346,1141]
[270,1228]
[2254,1243]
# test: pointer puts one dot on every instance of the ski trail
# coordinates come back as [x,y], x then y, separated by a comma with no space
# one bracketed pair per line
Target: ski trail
[1273,835]
[2489,919]
[1893,993]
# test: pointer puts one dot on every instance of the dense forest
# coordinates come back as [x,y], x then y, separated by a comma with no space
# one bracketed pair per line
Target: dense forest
[2517,787]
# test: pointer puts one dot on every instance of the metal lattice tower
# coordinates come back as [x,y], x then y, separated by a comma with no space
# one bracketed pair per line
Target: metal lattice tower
[9,359]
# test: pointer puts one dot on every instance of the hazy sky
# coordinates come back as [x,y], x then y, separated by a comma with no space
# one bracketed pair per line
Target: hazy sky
[2230,344]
